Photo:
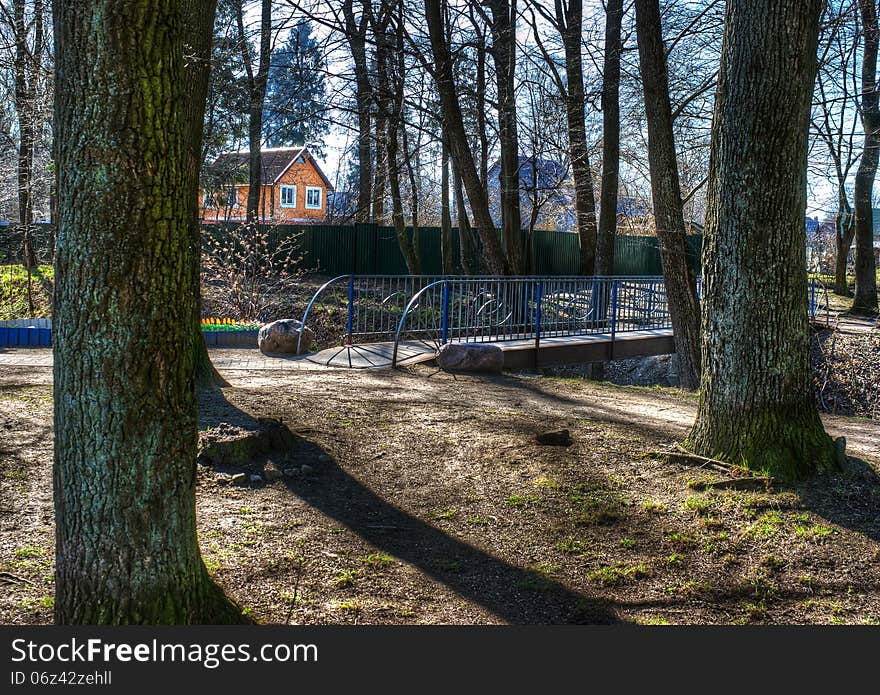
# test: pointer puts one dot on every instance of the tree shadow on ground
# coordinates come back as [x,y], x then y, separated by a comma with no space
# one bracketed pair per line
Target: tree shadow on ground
[514,594]
[850,498]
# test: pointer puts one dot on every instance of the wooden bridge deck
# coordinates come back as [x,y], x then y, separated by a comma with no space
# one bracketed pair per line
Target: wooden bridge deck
[518,354]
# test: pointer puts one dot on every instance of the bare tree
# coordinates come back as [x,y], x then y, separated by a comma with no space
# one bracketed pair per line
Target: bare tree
[125,415]
[610,138]
[256,84]
[458,141]
[757,405]
[681,286]
[567,19]
[865,300]
[834,120]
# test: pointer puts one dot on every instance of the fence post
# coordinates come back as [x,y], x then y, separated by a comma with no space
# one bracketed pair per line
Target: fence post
[444,319]
[538,289]
[613,315]
[350,323]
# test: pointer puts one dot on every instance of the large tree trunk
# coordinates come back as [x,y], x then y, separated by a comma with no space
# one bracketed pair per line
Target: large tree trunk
[678,276]
[570,23]
[198,18]
[356,35]
[610,139]
[463,159]
[757,406]
[504,56]
[125,399]
[865,301]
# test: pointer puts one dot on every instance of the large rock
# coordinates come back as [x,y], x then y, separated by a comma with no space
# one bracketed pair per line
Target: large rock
[470,357]
[281,337]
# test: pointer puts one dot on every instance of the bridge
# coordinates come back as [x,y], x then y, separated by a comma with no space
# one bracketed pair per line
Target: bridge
[371,321]
[362,321]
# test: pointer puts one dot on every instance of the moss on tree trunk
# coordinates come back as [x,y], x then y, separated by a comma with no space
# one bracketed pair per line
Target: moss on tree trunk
[757,406]
[125,399]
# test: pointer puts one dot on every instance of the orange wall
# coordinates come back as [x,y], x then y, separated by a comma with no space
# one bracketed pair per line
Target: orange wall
[299,175]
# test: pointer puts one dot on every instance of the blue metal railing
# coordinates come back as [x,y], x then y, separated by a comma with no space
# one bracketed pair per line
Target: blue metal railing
[524,308]
[435,310]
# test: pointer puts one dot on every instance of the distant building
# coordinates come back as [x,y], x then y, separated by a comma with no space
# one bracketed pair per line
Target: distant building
[544,187]
[294,189]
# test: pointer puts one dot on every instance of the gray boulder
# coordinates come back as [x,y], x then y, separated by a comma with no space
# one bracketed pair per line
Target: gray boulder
[281,337]
[470,357]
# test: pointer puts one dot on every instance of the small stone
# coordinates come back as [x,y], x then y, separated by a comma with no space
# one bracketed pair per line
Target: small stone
[272,473]
[306,469]
[282,337]
[291,472]
[239,479]
[554,438]
[255,478]
[223,478]
[324,458]
[470,357]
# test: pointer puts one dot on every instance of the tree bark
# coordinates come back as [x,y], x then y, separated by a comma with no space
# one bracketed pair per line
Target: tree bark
[610,139]
[462,156]
[257,82]
[390,90]
[356,35]
[503,27]
[865,300]
[757,406]
[125,399]
[678,276]
[466,243]
[27,65]
[570,20]
[844,231]
[445,212]
[198,19]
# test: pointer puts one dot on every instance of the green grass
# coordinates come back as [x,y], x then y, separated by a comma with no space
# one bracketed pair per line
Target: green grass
[13,292]
[523,501]
[378,560]
[30,551]
[611,575]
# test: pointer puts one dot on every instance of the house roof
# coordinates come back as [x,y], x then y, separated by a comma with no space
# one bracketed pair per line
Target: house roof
[274,163]
[536,173]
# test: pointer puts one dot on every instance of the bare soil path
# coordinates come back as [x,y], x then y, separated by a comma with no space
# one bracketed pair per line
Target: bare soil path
[420,497]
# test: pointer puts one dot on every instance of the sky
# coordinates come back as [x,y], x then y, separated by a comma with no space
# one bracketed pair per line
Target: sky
[340,138]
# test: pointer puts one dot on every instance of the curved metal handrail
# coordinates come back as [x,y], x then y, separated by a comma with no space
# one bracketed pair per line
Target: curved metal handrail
[412,302]
[814,308]
[309,307]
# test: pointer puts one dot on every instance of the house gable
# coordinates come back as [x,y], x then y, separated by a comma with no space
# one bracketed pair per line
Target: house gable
[294,187]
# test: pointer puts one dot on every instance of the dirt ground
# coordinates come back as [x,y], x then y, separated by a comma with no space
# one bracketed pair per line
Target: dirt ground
[425,499]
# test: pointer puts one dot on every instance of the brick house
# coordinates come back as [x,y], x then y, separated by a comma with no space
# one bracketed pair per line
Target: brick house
[294,187]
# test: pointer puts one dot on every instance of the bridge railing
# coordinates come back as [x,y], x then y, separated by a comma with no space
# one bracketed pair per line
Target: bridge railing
[525,308]
[351,309]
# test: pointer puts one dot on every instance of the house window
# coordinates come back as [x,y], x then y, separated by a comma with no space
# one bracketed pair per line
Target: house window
[313,197]
[232,197]
[288,196]
[209,200]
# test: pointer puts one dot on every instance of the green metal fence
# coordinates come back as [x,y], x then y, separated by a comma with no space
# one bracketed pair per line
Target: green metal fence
[368,249]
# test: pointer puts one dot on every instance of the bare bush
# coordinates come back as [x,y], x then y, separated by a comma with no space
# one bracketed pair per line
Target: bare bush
[248,273]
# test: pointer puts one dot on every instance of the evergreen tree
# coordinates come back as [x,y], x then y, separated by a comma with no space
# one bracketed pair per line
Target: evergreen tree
[295,96]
